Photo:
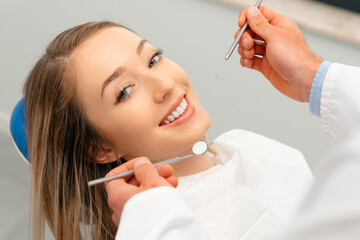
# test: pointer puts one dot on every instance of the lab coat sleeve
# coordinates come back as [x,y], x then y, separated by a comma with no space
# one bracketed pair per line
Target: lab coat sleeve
[159,214]
[340,101]
[332,208]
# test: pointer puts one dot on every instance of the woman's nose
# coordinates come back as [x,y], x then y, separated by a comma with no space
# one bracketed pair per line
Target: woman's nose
[162,85]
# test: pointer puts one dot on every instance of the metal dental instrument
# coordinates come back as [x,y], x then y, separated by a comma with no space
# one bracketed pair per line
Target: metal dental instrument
[199,148]
[235,43]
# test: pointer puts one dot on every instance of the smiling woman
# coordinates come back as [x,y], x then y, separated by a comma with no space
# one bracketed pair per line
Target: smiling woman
[136,102]
[102,95]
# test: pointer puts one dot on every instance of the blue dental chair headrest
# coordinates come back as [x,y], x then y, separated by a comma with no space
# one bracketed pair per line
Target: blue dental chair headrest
[18,129]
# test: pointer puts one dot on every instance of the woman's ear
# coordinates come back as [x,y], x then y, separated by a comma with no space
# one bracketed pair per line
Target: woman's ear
[105,155]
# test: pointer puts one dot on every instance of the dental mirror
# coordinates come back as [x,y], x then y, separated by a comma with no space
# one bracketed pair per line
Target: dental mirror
[199,148]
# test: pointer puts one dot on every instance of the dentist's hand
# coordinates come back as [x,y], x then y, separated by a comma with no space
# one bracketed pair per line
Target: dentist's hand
[288,63]
[120,190]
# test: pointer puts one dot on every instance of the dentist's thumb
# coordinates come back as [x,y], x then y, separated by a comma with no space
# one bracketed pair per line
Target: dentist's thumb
[259,24]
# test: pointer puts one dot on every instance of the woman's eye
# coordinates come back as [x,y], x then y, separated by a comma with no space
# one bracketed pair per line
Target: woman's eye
[124,93]
[154,60]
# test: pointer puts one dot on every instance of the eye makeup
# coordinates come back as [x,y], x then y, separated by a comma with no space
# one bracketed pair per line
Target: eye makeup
[124,92]
[156,57]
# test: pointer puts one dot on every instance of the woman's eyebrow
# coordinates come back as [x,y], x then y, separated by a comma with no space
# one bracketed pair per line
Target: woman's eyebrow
[141,46]
[113,76]
[120,70]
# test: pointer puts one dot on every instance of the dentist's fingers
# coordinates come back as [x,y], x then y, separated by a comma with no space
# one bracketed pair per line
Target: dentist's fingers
[254,63]
[167,171]
[133,181]
[242,18]
[118,193]
[147,174]
[254,52]
[129,165]
[173,181]
[249,57]
[267,12]
[246,53]
[246,46]
[249,46]
[246,41]
[164,171]
[246,62]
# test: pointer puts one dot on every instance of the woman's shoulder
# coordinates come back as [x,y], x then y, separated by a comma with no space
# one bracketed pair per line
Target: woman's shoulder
[240,137]
[283,166]
[262,148]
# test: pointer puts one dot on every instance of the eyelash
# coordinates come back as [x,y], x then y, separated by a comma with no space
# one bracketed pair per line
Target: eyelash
[158,52]
[121,91]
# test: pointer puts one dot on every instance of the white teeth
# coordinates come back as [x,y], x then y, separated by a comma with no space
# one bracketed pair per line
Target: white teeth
[183,105]
[175,114]
[180,110]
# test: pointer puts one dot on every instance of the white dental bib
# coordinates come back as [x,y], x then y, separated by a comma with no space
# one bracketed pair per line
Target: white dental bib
[253,190]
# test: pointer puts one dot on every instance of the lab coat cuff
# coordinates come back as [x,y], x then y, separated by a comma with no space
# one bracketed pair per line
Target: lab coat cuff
[316,88]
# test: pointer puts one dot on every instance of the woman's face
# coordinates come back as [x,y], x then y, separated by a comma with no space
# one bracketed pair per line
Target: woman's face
[132,95]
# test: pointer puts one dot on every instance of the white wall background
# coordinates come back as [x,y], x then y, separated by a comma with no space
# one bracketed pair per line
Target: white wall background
[194,33]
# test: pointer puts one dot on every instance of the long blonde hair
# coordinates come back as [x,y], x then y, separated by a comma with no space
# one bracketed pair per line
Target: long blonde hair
[62,147]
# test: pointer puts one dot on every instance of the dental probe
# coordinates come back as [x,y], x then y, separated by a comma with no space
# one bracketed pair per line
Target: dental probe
[235,43]
[199,148]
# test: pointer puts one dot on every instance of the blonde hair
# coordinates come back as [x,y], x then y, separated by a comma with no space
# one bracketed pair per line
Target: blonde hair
[62,147]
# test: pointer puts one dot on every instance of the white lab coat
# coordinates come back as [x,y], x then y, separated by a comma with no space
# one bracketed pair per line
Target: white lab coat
[332,209]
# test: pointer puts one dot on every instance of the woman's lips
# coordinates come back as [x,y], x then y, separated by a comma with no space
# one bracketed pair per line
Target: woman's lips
[179,113]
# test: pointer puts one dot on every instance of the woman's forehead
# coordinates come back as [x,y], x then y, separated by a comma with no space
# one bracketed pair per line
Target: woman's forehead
[97,58]
[108,46]
[111,36]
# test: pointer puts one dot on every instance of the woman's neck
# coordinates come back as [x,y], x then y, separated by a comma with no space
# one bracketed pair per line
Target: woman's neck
[192,165]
